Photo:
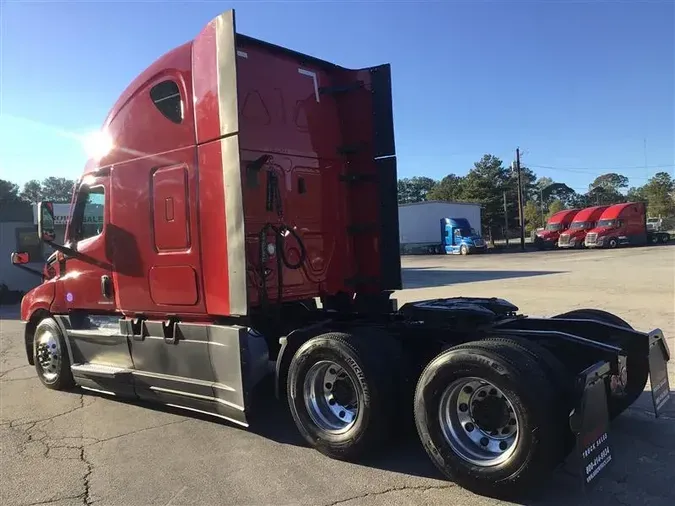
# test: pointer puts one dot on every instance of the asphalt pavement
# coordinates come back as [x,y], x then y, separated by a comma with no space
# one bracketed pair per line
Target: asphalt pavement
[72,448]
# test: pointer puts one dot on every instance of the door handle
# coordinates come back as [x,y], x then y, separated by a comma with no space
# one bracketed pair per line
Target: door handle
[106,287]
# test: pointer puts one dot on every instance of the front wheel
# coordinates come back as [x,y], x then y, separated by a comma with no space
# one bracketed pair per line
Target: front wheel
[341,393]
[487,418]
[463,250]
[613,243]
[51,356]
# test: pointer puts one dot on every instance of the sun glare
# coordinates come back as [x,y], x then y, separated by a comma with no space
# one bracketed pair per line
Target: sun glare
[97,144]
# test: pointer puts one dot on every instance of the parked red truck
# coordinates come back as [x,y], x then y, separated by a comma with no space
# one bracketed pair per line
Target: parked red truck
[556,224]
[584,221]
[624,225]
[250,217]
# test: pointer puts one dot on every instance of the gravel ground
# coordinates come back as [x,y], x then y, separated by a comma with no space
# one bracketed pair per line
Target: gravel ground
[68,448]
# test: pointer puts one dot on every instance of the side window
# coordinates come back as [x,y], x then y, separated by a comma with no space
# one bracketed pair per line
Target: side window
[166,97]
[88,217]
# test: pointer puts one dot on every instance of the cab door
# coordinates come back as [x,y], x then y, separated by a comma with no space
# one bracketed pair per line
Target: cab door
[86,272]
[87,294]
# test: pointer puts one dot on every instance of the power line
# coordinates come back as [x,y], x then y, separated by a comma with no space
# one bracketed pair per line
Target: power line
[661,166]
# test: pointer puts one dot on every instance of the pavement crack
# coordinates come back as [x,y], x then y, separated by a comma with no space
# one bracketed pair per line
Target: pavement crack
[422,488]
[138,431]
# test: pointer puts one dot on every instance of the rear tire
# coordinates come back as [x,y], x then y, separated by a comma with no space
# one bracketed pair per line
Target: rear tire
[476,453]
[342,392]
[637,367]
[50,355]
[665,238]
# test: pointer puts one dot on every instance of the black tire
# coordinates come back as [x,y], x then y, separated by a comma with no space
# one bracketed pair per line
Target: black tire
[367,361]
[655,239]
[57,374]
[637,367]
[540,440]
[665,238]
[613,242]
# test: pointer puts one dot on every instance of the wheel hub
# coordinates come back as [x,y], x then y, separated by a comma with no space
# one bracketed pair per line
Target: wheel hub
[478,421]
[48,354]
[490,414]
[331,397]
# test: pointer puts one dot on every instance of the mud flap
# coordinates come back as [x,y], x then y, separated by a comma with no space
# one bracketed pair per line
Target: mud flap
[589,422]
[659,354]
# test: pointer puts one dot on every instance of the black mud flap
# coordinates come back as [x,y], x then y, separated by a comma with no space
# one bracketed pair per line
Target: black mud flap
[589,421]
[659,354]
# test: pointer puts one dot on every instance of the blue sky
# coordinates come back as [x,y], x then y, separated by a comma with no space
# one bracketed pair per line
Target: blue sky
[578,86]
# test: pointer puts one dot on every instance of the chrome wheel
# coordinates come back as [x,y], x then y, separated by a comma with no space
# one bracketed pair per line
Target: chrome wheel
[478,421]
[48,354]
[331,397]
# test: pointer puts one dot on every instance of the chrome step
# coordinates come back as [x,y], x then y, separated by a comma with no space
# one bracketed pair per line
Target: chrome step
[98,370]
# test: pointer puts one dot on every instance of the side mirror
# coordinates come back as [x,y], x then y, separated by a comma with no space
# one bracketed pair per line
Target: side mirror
[20,258]
[46,221]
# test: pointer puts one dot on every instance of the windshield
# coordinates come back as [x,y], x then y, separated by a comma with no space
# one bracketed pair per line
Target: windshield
[581,224]
[554,227]
[465,232]
[607,223]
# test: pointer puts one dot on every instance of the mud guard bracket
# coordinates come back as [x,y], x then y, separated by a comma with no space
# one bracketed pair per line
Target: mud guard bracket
[589,422]
[659,354]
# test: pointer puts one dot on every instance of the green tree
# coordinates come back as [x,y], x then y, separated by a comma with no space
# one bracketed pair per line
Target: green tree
[532,214]
[57,189]
[9,192]
[485,183]
[606,189]
[414,189]
[658,192]
[555,207]
[450,188]
[32,191]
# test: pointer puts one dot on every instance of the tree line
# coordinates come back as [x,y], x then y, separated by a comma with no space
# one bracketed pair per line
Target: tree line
[495,187]
[54,189]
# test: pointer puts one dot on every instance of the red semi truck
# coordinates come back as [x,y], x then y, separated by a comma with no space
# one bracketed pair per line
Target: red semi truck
[249,207]
[623,224]
[584,220]
[556,224]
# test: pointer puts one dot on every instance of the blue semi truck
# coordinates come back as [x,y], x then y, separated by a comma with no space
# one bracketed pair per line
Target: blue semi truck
[458,238]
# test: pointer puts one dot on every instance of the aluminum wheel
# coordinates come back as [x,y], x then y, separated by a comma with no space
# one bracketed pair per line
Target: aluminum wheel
[478,421]
[48,354]
[331,397]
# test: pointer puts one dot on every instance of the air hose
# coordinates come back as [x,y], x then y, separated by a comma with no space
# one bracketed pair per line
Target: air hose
[280,231]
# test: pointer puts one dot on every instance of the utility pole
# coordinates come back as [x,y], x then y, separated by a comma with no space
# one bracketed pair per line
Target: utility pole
[520,202]
[506,222]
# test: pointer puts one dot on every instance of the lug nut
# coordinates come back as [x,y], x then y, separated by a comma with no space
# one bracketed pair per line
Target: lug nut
[331,402]
[493,391]
[503,445]
[468,390]
[342,414]
[469,427]
[332,371]
[463,407]
[482,393]
[484,441]
[329,386]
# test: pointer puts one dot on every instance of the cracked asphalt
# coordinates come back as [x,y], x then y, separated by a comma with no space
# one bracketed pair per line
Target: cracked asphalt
[66,448]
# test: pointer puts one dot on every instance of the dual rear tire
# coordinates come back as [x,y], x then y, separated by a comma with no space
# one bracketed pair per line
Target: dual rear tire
[490,417]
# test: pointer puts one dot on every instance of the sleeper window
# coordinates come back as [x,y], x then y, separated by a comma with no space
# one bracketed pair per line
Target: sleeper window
[166,97]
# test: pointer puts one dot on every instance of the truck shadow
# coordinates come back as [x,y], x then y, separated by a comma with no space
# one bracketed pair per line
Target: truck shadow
[644,453]
[422,277]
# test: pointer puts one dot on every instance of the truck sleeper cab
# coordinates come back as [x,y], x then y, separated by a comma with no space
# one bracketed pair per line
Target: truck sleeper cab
[249,228]
[556,224]
[460,238]
[623,225]
[585,220]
